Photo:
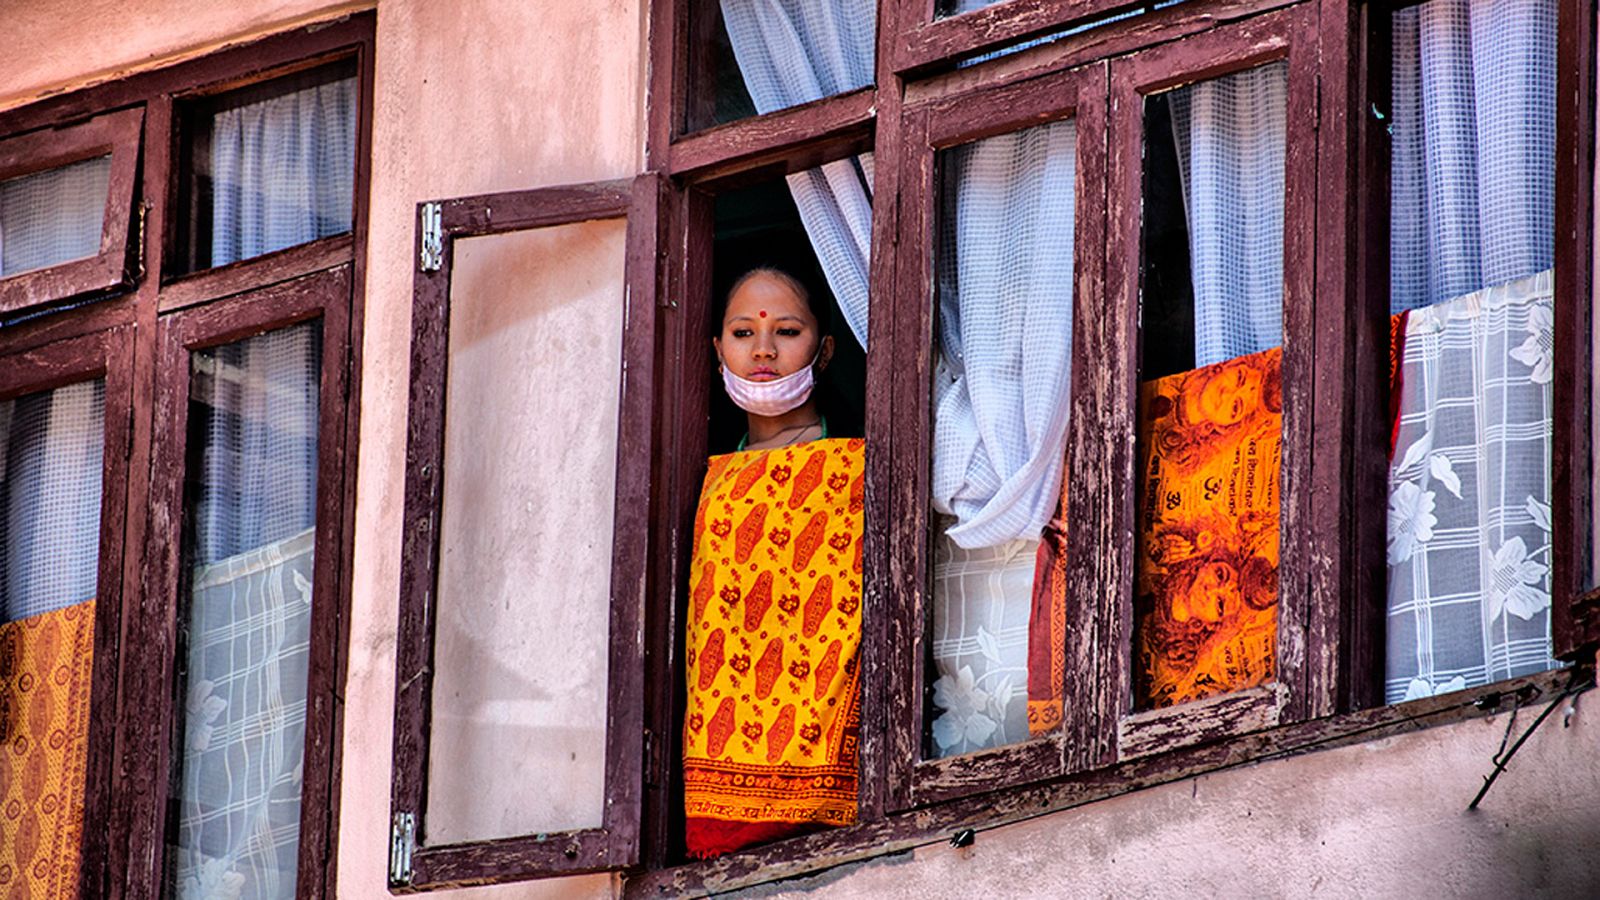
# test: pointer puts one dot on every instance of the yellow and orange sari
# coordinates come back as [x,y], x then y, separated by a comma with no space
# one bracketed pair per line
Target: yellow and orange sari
[46,666]
[774,623]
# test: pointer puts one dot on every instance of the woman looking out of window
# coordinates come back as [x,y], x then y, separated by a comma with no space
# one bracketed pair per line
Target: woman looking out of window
[771,723]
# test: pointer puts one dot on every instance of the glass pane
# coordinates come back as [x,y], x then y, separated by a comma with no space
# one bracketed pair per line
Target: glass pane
[51,460]
[245,617]
[268,167]
[1472,244]
[53,216]
[1211,403]
[1001,399]
[761,56]
[522,634]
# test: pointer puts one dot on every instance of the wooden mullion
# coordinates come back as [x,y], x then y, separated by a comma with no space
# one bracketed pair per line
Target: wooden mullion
[1350,441]
[925,41]
[909,363]
[1575,612]
[257,271]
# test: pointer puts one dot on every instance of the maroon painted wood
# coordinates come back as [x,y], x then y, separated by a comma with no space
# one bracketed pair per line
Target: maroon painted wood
[615,843]
[789,140]
[1575,613]
[112,133]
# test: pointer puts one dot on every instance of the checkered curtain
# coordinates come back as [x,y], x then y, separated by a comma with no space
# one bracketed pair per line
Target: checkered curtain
[1472,177]
[51,462]
[1472,240]
[247,630]
[1230,134]
[795,51]
[283,171]
[53,216]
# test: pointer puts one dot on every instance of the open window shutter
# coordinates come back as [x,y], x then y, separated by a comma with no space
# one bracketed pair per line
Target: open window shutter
[526,304]
[66,211]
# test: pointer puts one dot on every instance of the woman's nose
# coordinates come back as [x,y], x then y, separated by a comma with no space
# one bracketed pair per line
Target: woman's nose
[765,350]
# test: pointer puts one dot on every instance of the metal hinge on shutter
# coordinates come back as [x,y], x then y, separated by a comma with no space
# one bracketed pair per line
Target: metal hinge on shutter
[432,237]
[402,841]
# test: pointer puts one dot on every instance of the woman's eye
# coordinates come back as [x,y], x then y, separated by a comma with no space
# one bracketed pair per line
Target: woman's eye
[741,332]
[789,332]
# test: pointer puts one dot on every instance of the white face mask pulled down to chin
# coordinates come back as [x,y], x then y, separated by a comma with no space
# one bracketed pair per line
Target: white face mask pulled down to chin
[775,397]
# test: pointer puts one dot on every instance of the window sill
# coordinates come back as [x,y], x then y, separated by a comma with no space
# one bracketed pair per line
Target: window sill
[908,831]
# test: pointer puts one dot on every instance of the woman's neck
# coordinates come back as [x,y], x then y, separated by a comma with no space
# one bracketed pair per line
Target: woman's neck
[798,424]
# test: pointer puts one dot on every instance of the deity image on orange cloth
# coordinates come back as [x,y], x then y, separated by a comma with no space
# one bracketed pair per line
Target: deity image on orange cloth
[46,669]
[774,623]
[1206,562]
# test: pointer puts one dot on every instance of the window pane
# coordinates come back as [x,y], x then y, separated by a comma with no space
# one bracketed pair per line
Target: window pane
[51,460]
[53,216]
[764,56]
[1211,405]
[523,613]
[268,167]
[1472,187]
[1001,399]
[245,621]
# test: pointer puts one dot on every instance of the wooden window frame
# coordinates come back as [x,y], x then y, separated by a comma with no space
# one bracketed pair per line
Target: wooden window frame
[105,355]
[122,855]
[615,844]
[1575,612]
[322,297]
[113,267]
[1284,35]
[927,128]
[1342,361]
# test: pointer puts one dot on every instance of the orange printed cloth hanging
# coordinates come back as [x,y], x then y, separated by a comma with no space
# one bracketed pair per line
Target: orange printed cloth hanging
[1206,557]
[46,664]
[774,623]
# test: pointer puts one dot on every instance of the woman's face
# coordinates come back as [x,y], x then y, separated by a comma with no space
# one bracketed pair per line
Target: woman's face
[768,331]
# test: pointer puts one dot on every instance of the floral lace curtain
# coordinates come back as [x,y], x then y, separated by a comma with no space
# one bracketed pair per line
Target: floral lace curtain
[1473,234]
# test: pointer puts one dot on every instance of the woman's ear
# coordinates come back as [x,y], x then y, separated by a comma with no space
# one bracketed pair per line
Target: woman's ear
[825,352]
[716,344]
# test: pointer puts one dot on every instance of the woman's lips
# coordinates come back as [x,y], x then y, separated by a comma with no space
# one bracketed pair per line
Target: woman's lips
[761,373]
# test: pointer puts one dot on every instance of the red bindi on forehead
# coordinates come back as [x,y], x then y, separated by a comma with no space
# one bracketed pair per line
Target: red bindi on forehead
[763,314]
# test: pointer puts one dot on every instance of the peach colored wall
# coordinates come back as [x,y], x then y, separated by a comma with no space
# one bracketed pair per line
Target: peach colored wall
[52,46]
[479,95]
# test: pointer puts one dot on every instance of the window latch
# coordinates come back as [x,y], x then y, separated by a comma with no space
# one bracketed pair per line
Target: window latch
[432,237]
[402,841]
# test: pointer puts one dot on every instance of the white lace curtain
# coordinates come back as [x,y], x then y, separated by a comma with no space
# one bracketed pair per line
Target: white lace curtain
[283,171]
[1472,238]
[795,51]
[249,615]
[1230,134]
[1469,493]
[51,462]
[53,216]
